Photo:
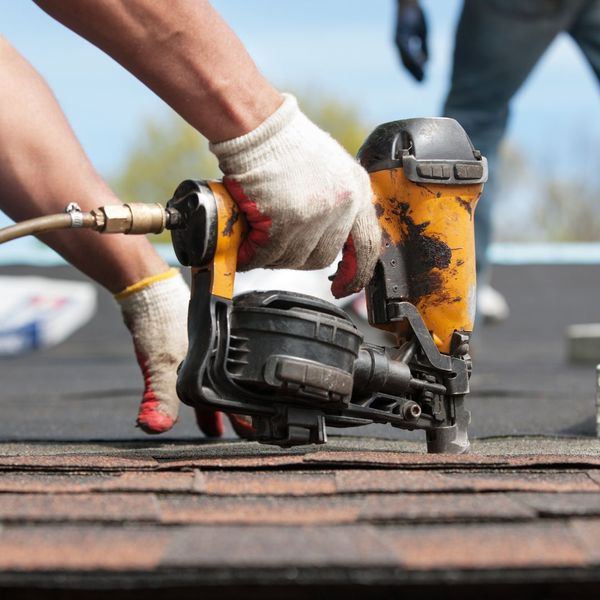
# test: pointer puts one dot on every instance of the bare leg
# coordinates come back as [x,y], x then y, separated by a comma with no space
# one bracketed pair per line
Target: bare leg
[43,168]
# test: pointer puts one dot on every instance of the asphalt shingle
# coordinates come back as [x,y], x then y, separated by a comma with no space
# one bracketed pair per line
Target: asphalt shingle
[111,507]
[359,510]
[489,546]
[86,548]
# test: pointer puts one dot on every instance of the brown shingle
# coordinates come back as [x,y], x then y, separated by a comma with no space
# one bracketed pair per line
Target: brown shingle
[149,482]
[587,533]
[235,462]
[269,484]
[442,507]
[256,510]
[388,480]
[85,548]
[544,481]
[269,546]
[35,482]
[564,504]
[142,481]
[36,508]
[594,475]
[416,461]
[422,547]
[269,510]
[486,546]
[96,462]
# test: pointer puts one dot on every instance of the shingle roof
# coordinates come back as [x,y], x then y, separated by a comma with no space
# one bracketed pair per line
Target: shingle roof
[362,510]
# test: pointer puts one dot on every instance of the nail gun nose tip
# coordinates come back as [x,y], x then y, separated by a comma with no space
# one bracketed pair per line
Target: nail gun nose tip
[412,411]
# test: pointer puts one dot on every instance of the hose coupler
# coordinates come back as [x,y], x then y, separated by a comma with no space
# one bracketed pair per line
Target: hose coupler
[134,218]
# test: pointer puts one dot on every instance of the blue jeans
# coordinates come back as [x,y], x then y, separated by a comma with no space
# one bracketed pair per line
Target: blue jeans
[498,42]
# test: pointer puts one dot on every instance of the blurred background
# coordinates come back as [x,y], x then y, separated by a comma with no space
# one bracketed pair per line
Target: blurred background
[339,57]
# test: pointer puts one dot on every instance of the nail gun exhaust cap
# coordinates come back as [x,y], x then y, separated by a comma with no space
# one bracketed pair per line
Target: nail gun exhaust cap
[429,150]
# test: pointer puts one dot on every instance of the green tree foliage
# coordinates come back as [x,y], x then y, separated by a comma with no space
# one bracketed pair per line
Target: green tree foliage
[569,211]
[168,151]
[341,120]
[556,208]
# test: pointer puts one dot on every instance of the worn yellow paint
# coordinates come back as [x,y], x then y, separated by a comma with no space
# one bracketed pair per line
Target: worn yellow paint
[425,220]
[231,231]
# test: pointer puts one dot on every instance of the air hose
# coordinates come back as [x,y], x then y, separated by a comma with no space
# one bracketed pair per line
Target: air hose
[133,218]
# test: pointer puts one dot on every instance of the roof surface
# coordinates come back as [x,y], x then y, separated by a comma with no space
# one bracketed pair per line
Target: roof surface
[89,503]
[356,511]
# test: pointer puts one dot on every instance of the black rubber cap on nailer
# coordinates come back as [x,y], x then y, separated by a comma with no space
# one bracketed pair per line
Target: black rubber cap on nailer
[429,150]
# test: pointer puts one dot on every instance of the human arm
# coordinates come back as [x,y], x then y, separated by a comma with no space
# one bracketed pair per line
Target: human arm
[298,178]
[42,168]
[183,51]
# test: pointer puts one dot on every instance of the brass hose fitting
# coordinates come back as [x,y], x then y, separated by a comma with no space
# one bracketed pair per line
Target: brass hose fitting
[134,218]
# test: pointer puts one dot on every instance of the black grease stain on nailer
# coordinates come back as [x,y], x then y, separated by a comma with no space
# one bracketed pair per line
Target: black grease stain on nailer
[425,255]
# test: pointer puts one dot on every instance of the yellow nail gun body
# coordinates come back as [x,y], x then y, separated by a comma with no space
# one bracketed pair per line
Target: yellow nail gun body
[297,364]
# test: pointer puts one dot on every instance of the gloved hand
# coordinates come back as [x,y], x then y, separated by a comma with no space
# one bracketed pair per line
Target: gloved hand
[411,37]
[304,196]
[155,312]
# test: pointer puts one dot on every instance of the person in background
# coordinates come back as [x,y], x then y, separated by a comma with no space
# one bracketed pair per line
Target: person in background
[303,196]
[497,45]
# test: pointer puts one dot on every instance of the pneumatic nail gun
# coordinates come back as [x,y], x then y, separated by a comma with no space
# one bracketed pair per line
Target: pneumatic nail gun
[296,364]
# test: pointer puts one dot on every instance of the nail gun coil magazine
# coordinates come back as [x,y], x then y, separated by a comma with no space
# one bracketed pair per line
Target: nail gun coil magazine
[294,345]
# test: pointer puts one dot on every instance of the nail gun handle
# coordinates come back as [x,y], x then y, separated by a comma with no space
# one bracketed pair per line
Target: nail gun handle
[211,231]
[231,230]
[208,235]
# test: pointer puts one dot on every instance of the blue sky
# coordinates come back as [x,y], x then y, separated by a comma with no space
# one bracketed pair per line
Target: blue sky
[341,47]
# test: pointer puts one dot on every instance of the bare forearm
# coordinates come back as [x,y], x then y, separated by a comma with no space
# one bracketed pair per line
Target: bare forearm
[39,154]
[43,168]
[185,52]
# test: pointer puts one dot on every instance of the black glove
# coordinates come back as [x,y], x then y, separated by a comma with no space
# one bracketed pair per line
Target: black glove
[411,37]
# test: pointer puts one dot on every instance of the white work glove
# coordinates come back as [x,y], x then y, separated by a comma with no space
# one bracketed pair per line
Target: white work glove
[155,312]
[304,198]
